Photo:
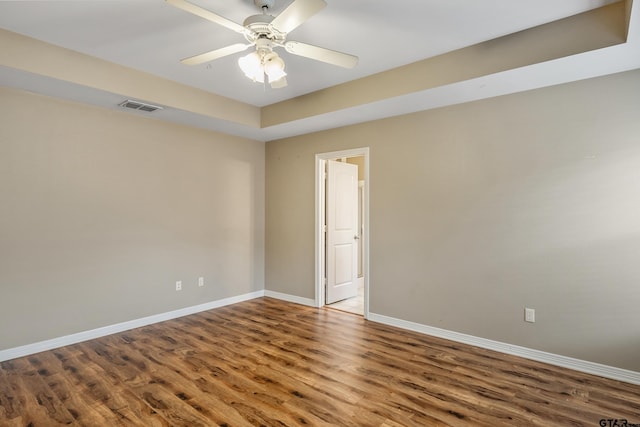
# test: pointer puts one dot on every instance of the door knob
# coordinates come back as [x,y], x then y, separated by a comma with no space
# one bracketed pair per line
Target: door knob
[356,237]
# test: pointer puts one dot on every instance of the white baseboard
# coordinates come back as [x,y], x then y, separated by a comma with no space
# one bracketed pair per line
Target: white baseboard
[528,353]
[28,349]
[290,298]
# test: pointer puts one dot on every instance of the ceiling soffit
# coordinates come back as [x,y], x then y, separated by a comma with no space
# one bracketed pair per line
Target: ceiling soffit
[599,31]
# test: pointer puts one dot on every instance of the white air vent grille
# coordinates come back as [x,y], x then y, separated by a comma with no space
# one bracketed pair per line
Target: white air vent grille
[138,105]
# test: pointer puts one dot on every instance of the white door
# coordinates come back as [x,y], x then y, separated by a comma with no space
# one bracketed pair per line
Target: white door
[342,231]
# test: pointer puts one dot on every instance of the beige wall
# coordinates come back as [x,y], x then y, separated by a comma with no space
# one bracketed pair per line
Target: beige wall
[482,209]
[101,212]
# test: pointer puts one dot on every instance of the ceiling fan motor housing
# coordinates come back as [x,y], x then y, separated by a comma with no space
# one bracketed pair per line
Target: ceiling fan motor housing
[260,26]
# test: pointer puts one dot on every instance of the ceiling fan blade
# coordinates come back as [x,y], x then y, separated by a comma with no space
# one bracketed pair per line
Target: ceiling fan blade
[321,54]
[215,54]
[203,13]
[296,13]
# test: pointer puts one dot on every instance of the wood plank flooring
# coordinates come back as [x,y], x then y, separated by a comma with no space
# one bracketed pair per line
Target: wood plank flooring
[266,362]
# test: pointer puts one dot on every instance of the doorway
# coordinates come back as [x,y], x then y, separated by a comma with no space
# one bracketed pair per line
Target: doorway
[360,302]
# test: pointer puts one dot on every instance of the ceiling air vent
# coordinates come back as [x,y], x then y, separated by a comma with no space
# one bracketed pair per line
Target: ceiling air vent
[137,105]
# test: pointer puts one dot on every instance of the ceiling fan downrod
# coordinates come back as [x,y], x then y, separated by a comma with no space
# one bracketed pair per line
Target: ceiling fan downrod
[264,5]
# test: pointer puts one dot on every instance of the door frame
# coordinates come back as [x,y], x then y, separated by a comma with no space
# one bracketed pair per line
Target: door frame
[321,160]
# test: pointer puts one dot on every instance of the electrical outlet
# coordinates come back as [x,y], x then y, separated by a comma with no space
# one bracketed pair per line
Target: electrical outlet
[201,281]
[179,285]
[529,315]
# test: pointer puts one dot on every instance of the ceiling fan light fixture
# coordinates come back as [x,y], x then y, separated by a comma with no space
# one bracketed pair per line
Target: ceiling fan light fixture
[251,66]
[280,83]
[263,62]
[274,67]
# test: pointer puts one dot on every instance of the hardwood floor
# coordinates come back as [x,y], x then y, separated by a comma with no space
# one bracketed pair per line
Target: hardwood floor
[271,363]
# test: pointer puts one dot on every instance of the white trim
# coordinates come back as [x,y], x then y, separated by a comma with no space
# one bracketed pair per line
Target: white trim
[527,353]
[51,344]
[320,227]
[290,298]
[319,221]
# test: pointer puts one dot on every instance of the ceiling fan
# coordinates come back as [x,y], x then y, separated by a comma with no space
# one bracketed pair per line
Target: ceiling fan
[266,32]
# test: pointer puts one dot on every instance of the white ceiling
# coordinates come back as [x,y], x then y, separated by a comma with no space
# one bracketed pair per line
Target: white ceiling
[151,36]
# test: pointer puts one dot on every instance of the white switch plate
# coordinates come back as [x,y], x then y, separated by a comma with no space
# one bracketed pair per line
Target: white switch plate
[201,281]
[529,315]
[178,285]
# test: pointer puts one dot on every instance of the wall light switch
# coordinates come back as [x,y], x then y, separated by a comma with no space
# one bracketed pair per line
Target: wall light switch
[201,281]
[529,315]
